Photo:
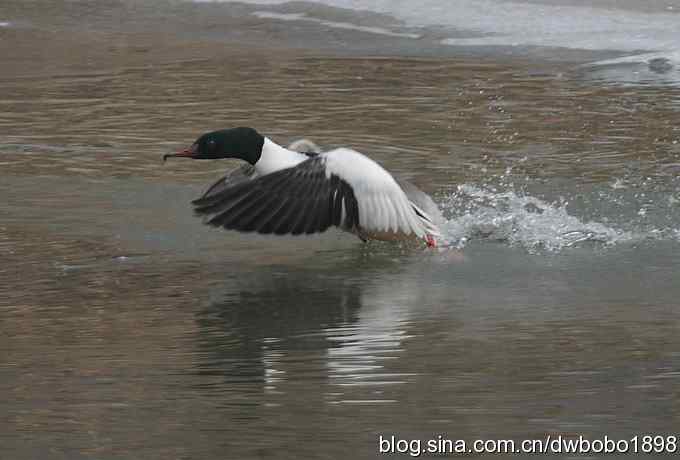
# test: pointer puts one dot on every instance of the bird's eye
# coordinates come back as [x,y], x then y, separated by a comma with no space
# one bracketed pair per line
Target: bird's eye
[211,146]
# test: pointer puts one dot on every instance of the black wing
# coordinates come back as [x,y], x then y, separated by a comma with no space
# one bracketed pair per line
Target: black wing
[290,201]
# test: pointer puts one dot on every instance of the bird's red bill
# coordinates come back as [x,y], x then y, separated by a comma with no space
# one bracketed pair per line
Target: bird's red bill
[188,152]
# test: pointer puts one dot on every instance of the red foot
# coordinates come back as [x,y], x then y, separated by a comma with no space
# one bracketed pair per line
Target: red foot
[431,243]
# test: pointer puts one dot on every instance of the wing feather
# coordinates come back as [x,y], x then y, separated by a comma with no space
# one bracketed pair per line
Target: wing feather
[340,188]
[301,199]
[377,211]
[389,213]
[374,187]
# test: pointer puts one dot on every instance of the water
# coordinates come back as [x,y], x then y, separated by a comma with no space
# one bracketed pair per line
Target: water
[129,330]
[646,33]
[626,26]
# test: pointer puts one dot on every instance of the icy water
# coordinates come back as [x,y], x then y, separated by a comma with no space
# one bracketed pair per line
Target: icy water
[129,330]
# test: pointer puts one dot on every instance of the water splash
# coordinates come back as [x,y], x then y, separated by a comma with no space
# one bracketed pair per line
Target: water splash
[484,212]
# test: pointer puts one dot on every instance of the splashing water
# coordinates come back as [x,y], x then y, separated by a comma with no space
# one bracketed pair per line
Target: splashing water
[521,220]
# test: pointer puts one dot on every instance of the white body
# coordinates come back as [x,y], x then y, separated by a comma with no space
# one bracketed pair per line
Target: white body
[275,157]
[385,212]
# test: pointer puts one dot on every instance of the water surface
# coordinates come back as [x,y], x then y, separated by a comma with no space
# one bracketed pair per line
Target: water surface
[129,330]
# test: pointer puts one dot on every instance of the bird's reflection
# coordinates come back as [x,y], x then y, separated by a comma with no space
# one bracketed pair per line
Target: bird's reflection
[276,330]
[270,311]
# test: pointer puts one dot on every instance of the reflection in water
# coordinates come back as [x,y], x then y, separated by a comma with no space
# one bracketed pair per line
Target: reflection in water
[362,348]
[512,345]
[267,314]
[270,326]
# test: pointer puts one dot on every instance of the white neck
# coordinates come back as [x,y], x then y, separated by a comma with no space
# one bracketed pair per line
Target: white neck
[275,157]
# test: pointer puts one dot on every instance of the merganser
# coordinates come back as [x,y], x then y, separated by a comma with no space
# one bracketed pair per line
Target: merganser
[282,191]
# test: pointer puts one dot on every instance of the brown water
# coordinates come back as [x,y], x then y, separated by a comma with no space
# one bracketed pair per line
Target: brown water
[129,330]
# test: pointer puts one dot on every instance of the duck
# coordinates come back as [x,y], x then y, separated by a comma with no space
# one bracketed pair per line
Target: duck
[283,191]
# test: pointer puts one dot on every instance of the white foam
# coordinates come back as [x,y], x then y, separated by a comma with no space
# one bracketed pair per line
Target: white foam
[522,220]
[333,24]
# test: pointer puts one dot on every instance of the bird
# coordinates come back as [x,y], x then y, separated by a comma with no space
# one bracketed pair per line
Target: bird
[286,192]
